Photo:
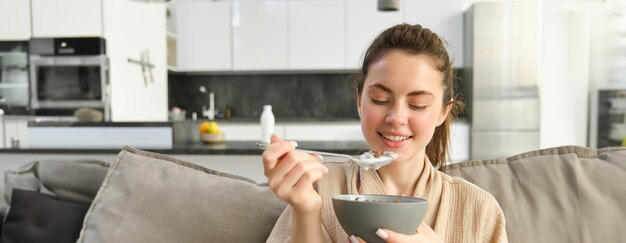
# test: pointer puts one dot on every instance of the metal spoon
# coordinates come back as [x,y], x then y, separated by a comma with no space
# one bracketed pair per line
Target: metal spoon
[367,160]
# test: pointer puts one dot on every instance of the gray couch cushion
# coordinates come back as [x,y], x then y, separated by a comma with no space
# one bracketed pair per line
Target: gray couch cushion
[149,197]
[565,194]
[71,180]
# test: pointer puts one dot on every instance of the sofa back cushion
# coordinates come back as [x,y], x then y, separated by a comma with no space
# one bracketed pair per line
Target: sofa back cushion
[149,197]
[564,194]
[69,180]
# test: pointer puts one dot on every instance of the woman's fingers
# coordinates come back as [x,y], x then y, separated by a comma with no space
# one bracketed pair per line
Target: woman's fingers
[305,175]
[424,234]
[356,239]
[393,237]
[301,171]
[289,161]
[291,174]
[277,149]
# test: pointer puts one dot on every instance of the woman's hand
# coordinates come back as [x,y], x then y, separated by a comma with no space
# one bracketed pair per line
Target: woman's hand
[290,174]
[424,234]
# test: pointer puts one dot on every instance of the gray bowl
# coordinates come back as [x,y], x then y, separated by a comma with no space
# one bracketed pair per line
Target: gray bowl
[362,215]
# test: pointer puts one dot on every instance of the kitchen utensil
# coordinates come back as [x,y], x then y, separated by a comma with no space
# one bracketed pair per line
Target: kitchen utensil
[367,160]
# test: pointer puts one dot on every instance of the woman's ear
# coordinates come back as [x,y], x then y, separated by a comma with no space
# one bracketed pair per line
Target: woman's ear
[444,112]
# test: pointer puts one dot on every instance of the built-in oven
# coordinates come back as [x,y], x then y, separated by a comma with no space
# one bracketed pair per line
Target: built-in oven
[608,124]
[68,74]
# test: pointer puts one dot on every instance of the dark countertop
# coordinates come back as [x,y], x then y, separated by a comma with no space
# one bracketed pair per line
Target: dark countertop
[169,123]
[225,148]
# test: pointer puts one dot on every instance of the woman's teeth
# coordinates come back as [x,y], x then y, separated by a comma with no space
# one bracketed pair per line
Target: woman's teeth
[395,138]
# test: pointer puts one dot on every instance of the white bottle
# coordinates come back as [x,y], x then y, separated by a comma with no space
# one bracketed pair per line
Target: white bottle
[267,124]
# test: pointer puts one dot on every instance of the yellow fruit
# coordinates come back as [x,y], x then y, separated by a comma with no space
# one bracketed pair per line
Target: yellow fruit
[209,127]
[213,128]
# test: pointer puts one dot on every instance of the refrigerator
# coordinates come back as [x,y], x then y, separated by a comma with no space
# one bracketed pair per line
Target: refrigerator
[501,77]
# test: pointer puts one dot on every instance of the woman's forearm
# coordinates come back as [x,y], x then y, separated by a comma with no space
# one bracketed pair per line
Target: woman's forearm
[307,227]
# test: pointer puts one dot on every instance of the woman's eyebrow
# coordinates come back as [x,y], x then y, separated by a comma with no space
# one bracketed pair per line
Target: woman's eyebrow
[414,93]
[420,92]
[383,87]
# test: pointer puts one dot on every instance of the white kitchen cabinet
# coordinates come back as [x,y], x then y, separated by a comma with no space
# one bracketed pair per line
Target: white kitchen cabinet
[324,132]
[66,18]
[317,42]
[252,35]
[13,131]
[108,137]
[259,30]
[203,35]
[502,144]
[444,17]
[363,23]
[14,20]
[247,132]
[134,29]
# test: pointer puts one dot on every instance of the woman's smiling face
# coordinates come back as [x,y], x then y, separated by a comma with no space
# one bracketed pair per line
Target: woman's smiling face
[401,103]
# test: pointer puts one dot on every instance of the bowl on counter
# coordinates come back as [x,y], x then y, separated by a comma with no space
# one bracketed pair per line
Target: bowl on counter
[212,137]
[362,215]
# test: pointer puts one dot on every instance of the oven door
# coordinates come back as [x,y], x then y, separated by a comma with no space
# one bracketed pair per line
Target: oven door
[69,82]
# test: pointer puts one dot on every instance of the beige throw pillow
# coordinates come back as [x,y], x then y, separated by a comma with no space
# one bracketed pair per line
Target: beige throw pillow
[148,197]
[564,194]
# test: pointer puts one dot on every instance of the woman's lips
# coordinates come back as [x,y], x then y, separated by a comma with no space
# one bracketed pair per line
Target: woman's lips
[394,141]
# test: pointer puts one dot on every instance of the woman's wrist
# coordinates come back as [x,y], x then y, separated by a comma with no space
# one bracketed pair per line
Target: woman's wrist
[307,218]
[307,210]
[307,226]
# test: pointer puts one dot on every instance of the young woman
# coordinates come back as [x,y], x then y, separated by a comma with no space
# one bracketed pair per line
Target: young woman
[405,97]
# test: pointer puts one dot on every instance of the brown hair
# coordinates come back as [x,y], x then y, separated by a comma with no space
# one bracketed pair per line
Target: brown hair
[414,39]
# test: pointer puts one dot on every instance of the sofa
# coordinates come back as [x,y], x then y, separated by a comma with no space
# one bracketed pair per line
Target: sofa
[564,194]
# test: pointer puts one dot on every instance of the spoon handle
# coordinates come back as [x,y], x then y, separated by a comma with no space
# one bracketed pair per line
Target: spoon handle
[326,154]
[264,146]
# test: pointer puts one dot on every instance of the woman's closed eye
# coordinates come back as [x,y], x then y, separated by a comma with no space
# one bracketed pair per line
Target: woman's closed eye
[379,101]
[418,107]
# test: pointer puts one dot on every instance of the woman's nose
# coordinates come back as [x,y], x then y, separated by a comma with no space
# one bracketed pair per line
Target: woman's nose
[397,116]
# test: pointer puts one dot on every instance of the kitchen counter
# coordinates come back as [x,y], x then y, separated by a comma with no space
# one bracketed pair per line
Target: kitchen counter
[182,137]
[225,148]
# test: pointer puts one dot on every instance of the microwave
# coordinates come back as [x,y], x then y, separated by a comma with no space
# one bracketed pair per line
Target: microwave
[68,74]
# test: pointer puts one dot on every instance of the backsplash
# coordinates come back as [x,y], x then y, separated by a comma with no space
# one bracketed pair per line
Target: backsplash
[292,96]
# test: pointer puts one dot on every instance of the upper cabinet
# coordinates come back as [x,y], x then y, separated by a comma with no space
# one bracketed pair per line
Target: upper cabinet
[14,20]
[203,35]
[260,35]
[66,18]
[317,42]
[136,47]
[253,35]
[363,23]
[444,17]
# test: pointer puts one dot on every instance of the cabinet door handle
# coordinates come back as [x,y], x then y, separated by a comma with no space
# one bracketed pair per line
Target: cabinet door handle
[146,66]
